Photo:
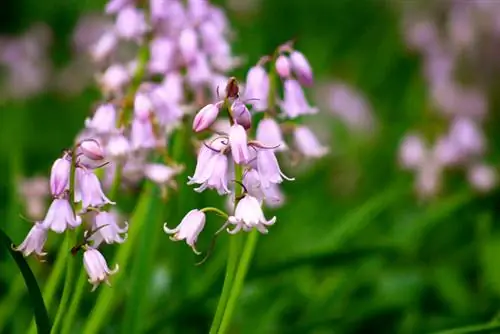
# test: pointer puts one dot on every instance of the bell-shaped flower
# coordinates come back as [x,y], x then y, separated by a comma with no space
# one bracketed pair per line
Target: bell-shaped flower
[412,151]
[257,88]
[307,143]
[96,267]
[198,71]
[130,23]
[301,68]
[204,155]
[114,79]
[142,135]
[59,176]
[241,115]
[188,44]
[248,215]
[271,195]
[91,149]
[104,119]
[213,175]
[269,169]
[283,66]
[173,84]
[206,117]
[239,144]
[143,107]
[104,46]
[294,103]
[189,228]
[270,135]
[106,229]
[91,191]
[60,216]
[34,241]
[118,147]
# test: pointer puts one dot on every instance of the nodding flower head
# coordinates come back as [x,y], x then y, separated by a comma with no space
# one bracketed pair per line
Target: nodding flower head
[294,103]
[257,88]
[301,68]
[188,44]
[118,147]
[60,216]
[106,229]
[189,228]
[104,119]
[308,144]
[130,23]
[34,241]
[248,215]
[161,174]
[269,133]
[241,115]
[206,117]
[96,267]
[91,191]
[239,144]
[59,175]
[269,169]
[213,174]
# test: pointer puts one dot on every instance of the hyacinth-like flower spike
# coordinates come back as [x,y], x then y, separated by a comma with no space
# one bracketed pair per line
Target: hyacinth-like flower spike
[97,268]
[60,216]
[59,175]
[248,215]
[34,241]
[189,228]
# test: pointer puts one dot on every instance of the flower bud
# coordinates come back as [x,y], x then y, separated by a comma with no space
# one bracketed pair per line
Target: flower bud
[232,89]
[241,114]
[59,176]
[92,149]
[301,67]
[257,88]
[205,117]
[283,66]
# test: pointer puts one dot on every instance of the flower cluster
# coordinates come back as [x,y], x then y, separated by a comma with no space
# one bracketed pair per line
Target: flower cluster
[74,183]
[461,108]
[231,158]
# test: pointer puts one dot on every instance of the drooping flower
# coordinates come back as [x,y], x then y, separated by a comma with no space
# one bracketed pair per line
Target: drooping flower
[162,53]
[142,135]
[283,66]
[59,176]
[97,268]
[189,228]
[159,173]
[114,79]
[241,115]
[238,143]
[294,103]
[60,216]
[34,241]
[307,143]
[248,215]
[130,23]
[271,195]
[91,191]
[257,88]
[118,147]
[104,120]
[213,175]
[301,68]
[188,44]
[106,229]
[269,169]
[206,117]
[269,133]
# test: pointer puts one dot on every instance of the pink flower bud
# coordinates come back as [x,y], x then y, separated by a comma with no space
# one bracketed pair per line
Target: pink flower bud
[205,117]
[59,176]
[283,66]
[301,68]
[238,143]
[92,149]
[257,88]
[241,114]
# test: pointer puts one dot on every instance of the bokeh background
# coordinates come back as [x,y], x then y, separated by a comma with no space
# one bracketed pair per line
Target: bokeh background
[357,248]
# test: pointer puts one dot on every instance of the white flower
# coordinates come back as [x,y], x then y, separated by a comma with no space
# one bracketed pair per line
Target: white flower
[34,241]
[248,214]
[189,228]
[96,267]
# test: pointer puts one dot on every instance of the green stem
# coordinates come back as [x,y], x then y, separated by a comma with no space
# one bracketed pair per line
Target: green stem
[232,261]
[215,210]
[67,326]
[61,311]
[241,272]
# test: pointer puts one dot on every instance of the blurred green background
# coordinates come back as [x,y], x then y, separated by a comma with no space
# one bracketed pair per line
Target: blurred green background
[354,250]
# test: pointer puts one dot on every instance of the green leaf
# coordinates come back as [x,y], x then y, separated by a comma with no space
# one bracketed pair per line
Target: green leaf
[41,316]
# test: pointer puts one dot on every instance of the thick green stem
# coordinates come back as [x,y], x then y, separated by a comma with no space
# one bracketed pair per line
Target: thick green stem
[232,261]
[241,272]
